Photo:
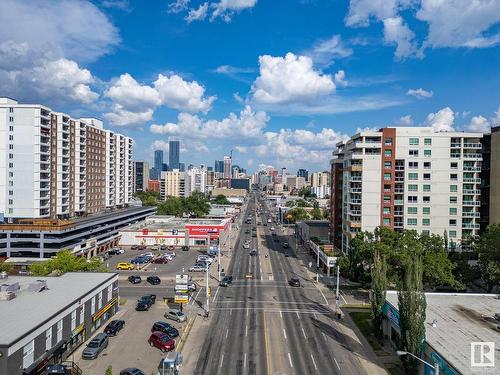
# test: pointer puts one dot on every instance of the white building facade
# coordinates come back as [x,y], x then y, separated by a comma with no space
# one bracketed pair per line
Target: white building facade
[411,178]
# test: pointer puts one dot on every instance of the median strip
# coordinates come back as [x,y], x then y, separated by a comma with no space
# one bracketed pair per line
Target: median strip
[185,334]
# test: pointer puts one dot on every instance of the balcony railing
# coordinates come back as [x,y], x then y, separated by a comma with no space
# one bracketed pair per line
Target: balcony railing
[472,203]
[398,202]
[472,156]
[471,226]
[470,214]
[472,192]
[473,145]
[473,180]
[472,169]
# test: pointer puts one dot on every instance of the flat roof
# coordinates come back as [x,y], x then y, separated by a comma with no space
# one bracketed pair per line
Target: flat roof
[460,319]
[29,310]
[172,222]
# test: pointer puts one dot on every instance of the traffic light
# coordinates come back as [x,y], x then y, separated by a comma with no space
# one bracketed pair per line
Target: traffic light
[209,291]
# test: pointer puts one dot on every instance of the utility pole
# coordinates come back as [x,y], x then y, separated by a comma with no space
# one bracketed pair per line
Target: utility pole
[218,253]
[337,299]
[317,263]
[208,297]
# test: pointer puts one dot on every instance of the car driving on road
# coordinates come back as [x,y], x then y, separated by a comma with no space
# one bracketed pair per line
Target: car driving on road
[294,281]
[125,266]
[153,280]
[226,280]
[135,279]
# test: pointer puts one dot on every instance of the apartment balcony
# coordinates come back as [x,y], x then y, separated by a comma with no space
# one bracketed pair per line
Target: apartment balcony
[398,213]
[354,212]
[44,212]
[399,179]
[44,186]
[44,204]
[473,145]
[44,176]
[354,201]
[399,168]
[399,202]
[471,203]
[455,155]
[470,214]
[456,145]
[45,150]
[44,167]
[472,156]
[399,190]
[471,226]
[471,192]
[44,114]
[355,190]
[398,224]
[472,180]
[472,169]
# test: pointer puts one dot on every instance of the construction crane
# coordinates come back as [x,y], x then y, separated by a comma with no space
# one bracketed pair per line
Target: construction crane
[231,154]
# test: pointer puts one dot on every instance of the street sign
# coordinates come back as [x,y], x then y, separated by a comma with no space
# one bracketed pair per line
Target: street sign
[181,279]
[181,298]
[182,288]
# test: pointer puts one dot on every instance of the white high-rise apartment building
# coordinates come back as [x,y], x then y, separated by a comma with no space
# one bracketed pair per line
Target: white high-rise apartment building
[54,166]
[172,184]
[410,178]
[228,167]
[320,179]
[196,180]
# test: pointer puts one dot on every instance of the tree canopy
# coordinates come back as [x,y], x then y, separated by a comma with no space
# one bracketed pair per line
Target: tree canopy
[221,199]
[148,198]
[195,205]
[65,261]
[488,249]
[296,214]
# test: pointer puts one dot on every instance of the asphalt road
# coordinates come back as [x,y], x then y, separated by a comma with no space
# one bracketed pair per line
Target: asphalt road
[264,326]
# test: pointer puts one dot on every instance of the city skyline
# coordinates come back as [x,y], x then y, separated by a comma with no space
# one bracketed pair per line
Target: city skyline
[368,67]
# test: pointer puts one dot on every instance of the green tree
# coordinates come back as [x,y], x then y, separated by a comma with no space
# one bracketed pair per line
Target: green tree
[171,206]
[290,204]
[196,205]
[301,203]
[316,214]
[343,263]
[148,197]
[6,267]
[65,261]
[221,199]
[488,249]
[297,214]
[412,305]
[150,201]
[379,288]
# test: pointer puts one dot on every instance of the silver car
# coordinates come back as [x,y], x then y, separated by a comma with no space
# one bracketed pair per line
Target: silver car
[95,346]
[176,315]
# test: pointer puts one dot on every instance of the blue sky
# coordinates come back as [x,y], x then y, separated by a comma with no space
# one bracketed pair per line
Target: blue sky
[278,81]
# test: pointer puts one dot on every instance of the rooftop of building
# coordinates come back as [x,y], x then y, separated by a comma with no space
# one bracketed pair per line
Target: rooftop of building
[30,309]
[316,223]
[166,222]
[460,319]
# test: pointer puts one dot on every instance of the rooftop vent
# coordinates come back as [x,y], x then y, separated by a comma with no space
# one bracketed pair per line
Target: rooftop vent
[38,286]
[3,275]
[7,296]
[14,287]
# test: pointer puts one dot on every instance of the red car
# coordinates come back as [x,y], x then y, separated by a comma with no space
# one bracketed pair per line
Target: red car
[160,260]
[162,341]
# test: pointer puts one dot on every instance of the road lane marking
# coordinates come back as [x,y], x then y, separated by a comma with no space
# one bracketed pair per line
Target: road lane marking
[284,333]
[326,301]
[337,363]
[245,361]
[341,294]
[266,345]
[290,360]
[281,315]
[227,332]
[196,297]
[215,295]
[303,332]
[221,360]
[246,330]
[298,316]
[314,362]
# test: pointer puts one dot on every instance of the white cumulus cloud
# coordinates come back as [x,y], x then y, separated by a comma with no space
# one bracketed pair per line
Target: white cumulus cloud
[397,32]
[406,120]
[340,78]
[288,79]
[197,14]
[226,8]
[442,120]
[479,124]
[420,93]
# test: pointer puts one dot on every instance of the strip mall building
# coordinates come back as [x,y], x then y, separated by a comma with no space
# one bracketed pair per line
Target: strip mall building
[169,230]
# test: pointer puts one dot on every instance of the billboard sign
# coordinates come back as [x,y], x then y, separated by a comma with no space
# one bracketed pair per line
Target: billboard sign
[181,298]
[181,279]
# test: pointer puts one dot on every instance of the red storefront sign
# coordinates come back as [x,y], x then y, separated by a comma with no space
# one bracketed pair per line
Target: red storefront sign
[198,230]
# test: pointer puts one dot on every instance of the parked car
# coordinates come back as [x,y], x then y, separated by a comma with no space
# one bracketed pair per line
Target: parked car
[226,280]
[114,327]
[155,247]
[171,248]
[125,266]
[95,346]
[142,305]
[249,275]
[254,252]
[149,298]
[169,254]
[205,258]
[198,267]
[135,279]
[131,371]
[139,260]
[134,247]
[153,280]
[176,315]
[165,328]
[147,255]
[246,246]
[141,247]
[185,248]
[163,247]
[191,286]
[160,260]
[162,341]
[294,281]
[116,251]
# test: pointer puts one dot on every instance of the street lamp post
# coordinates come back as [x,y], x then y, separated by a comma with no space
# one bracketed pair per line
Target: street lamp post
[435,367]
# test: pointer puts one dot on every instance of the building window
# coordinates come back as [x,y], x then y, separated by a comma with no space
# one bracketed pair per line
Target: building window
[388,141]
[387,164]
[92,305]
[427,176]
[82,314]
[413,152]
[413,141]
[426,232]
[413,164]
[427,141]
[11,128]
[452,233]
[11,119]
[110,292]
[426,188]
[387,210]
[454,165]
[48,339]
[73,319]
[453,211]
[427,199]
[412,210]
[59,330]
[411,221]
[453,188]
[11,109]
[453,177]
[427,165]
[99,300]
[387,221]
[453,222]
[11,137]
[387,198]
[453,199]
[413,176]
[426,210]
[412,199]
[427,153]
[413,187]
[426,222]
[28,354]
[387,176]
[388,153]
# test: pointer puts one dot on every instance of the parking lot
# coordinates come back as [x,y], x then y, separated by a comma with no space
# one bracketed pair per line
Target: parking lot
[130,347]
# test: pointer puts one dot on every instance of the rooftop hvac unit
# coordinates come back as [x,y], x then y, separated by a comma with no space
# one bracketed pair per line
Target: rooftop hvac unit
[4,275]
[38,286]
[14,287]
[7,296]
